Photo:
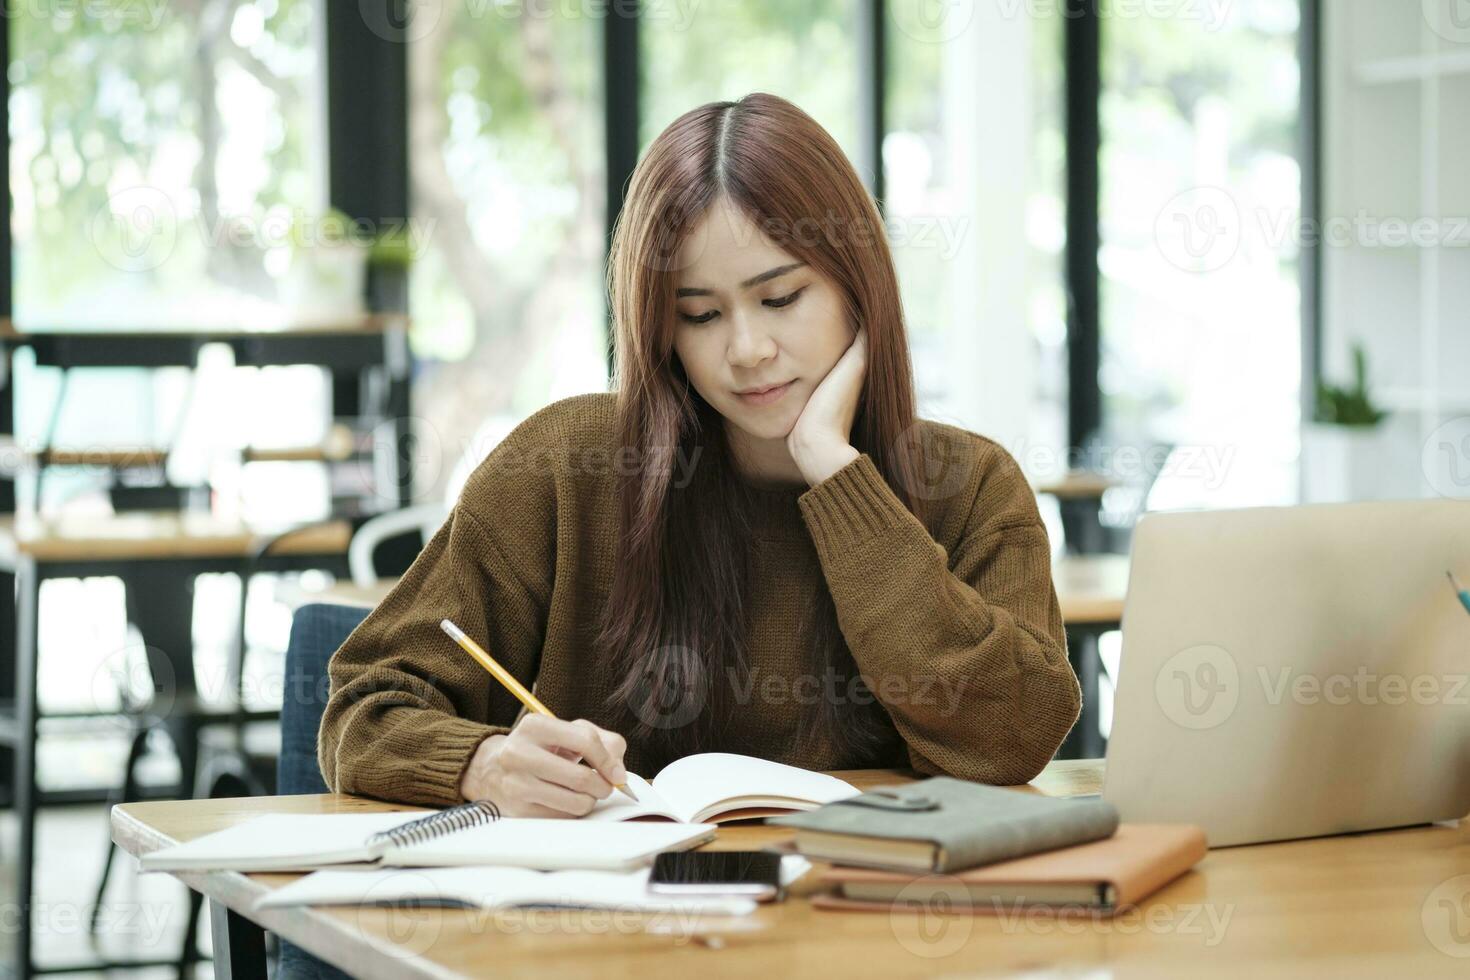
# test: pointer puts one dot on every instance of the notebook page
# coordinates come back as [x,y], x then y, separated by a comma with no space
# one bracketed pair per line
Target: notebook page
[697,782]
[279,842]
[494,888]
[551,844]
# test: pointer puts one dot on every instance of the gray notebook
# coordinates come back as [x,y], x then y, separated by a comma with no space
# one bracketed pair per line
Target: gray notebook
[943,824]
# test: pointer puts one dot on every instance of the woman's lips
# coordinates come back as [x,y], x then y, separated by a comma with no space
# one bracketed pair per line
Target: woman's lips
[769,395]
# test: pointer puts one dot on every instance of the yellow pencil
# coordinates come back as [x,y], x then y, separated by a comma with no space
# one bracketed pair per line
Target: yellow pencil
[508,679]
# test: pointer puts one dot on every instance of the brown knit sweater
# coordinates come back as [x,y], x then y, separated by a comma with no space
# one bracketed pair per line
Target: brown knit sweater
[957,625]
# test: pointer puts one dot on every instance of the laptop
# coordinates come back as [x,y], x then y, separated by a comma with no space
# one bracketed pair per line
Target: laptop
[1292,672]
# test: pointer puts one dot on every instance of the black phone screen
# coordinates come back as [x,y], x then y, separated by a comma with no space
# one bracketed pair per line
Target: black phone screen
[720,871]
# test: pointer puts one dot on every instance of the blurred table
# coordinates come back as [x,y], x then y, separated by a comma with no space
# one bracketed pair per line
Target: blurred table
[1079,495]
[342,593]
[1091,590]
[157,551]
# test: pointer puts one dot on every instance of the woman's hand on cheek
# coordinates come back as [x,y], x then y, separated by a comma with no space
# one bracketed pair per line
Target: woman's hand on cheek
[821,440]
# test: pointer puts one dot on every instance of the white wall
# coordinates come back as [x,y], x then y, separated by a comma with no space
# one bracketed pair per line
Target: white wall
[1396,264]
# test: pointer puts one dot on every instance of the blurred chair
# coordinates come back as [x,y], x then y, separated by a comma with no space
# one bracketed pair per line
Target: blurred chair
[1123,505]
[317,630]
[223,749]
[1105,525]
[1109,530]
[387,544]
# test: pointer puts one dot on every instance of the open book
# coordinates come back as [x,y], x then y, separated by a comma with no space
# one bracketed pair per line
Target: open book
[714,787]
[468,834]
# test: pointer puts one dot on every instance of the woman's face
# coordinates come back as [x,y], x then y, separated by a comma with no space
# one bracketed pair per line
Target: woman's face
[750,316]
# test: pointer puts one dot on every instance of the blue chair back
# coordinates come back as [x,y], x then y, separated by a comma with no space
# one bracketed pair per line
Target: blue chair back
[317,631]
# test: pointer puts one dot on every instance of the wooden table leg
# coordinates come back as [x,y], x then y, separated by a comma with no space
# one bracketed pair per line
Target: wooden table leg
[239,945]
[1082,527]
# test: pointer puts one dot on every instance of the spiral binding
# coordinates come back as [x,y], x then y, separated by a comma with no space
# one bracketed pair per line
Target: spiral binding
[437,825]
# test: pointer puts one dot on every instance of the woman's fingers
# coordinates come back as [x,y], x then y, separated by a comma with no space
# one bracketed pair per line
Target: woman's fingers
[602,750]
[529,787]
[572,775]
[615,745]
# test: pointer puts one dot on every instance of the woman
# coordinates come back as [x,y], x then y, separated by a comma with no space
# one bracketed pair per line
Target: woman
[809,574]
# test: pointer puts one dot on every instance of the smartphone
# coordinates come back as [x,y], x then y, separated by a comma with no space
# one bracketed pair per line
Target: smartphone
[749,874]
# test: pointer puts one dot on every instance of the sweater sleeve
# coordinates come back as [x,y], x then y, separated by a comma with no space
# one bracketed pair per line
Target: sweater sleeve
[967,652]
[407,707]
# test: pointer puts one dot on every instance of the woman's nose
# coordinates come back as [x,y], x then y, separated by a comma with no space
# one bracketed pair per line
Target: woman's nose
[749,343]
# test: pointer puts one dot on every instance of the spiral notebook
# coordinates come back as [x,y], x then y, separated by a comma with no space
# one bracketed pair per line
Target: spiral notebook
[468,834]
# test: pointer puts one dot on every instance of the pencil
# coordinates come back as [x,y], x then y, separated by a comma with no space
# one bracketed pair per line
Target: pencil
[509,681]
[1460,590]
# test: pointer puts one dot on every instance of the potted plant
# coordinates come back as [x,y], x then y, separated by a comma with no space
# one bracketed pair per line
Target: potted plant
[325,281]
[389,258]
[1344,456]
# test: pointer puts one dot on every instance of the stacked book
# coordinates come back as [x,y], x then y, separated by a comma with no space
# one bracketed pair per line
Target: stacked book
[986,849]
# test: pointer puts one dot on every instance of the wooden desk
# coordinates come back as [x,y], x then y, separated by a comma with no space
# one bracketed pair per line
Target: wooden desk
[1365,905]
[146,535]
[1091,588]
[354,342]
[15,458]
[342,593]
[1079,495]
[1076,485]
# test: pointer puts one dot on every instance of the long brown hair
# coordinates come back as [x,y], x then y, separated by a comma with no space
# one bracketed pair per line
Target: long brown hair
[675,623]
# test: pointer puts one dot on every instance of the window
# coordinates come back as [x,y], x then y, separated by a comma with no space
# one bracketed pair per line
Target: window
[723,49]
[158,157]
[1200,203]
[506,161]
[973,156]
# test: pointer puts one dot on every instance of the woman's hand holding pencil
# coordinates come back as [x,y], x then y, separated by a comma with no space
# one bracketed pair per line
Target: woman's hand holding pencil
[536,770]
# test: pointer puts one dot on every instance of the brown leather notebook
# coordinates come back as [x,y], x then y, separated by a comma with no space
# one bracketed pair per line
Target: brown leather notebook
[1102,876]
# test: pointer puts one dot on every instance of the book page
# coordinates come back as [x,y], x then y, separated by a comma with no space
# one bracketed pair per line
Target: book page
[650,803]
[702,786]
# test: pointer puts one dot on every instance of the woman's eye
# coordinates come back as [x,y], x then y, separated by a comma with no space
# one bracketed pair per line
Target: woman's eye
[705,317]
[786,300]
